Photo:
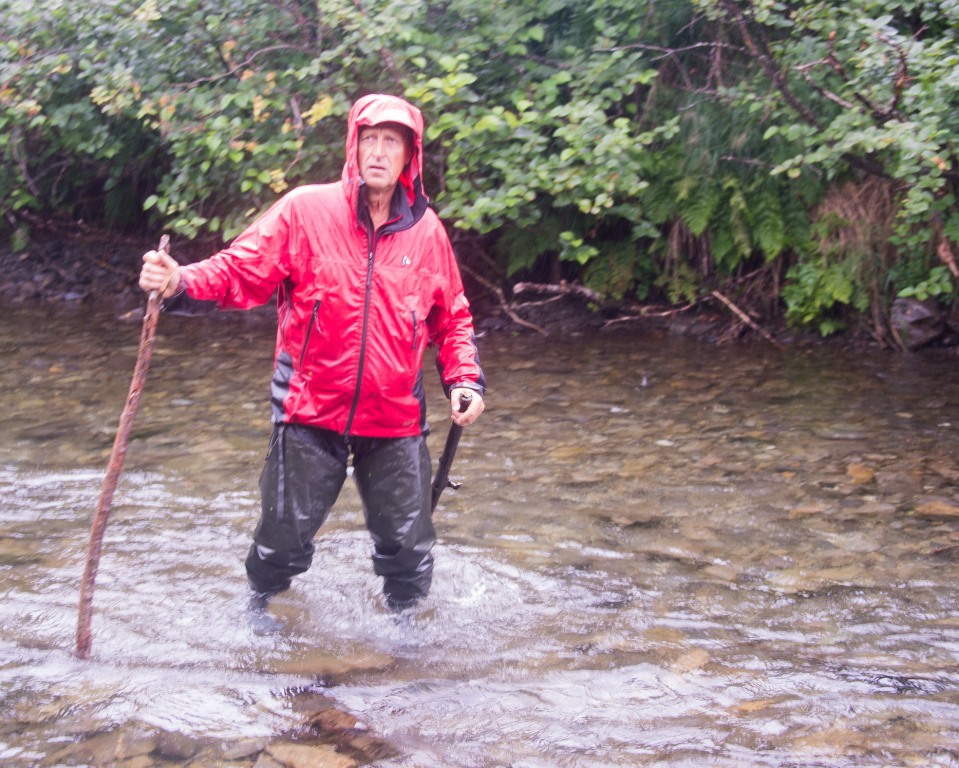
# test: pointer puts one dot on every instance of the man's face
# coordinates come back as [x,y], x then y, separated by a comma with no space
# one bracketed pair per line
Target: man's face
[383,154]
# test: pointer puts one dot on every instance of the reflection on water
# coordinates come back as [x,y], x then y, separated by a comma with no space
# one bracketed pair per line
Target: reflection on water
[662,554]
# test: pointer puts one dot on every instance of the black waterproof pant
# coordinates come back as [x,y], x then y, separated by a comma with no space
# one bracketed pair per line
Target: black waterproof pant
[304,472]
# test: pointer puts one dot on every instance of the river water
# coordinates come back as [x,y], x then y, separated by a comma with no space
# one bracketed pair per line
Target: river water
[663,553]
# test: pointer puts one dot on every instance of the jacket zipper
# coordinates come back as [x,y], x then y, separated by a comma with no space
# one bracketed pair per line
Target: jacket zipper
[371,238]
[309,332]
[414,330]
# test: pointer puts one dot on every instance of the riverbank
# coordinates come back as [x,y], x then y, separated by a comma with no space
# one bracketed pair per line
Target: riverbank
[74,266]
[80,265]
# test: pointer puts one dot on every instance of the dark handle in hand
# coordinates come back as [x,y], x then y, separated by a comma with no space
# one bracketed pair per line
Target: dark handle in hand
[446,460]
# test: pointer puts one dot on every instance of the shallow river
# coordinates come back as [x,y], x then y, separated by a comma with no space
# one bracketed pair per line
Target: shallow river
[663,553]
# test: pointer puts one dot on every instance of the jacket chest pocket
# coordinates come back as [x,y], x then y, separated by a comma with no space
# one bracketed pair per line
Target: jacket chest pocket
[415,330]
[312,327]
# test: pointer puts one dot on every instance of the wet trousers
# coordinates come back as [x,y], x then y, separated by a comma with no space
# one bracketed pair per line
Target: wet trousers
[302,477]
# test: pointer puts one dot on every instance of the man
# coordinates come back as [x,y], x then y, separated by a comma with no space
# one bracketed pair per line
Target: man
[365,277]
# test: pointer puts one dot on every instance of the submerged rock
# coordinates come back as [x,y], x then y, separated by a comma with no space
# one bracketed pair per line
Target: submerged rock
[316,662]
[98,749]
[937,508]
[135,744]
[243,749]
[342,730]
[291,755]
[176,746]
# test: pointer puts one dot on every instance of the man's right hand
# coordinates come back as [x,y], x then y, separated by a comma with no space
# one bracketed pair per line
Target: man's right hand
[160,272]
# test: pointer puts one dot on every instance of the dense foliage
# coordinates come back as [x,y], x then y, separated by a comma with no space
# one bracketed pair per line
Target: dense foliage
[800,156]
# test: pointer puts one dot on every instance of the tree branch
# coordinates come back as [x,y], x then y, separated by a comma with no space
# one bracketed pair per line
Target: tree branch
[504,304]
[762,55]
[562,288]
[803,71]
[241,66]
[747,319]
[385,53]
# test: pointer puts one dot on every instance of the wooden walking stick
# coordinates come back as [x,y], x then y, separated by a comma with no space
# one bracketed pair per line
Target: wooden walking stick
[147,335]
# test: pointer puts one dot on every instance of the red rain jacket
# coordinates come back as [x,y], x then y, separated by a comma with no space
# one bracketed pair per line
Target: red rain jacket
[355,308]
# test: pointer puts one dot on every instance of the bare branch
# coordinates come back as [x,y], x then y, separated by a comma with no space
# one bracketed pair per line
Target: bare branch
[385,52]
[836,99]
[17,150]
[647,312]
[241,66]
[669,52]
[504,304]
[760,51]
[563,288]
[747,319]
[903,77]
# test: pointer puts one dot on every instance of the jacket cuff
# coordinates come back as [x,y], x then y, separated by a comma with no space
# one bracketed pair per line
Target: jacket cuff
[465,385]
[180,303]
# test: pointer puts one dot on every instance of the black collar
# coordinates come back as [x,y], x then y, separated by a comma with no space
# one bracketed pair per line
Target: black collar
[402,214]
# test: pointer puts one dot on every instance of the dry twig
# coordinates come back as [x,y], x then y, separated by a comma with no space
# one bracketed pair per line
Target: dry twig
[747,319]
[562,288]
[504,304]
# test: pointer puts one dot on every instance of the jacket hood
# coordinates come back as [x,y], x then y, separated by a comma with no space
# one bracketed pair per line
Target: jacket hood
[379,108]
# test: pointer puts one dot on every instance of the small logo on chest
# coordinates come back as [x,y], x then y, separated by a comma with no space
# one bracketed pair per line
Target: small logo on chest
[406,261]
